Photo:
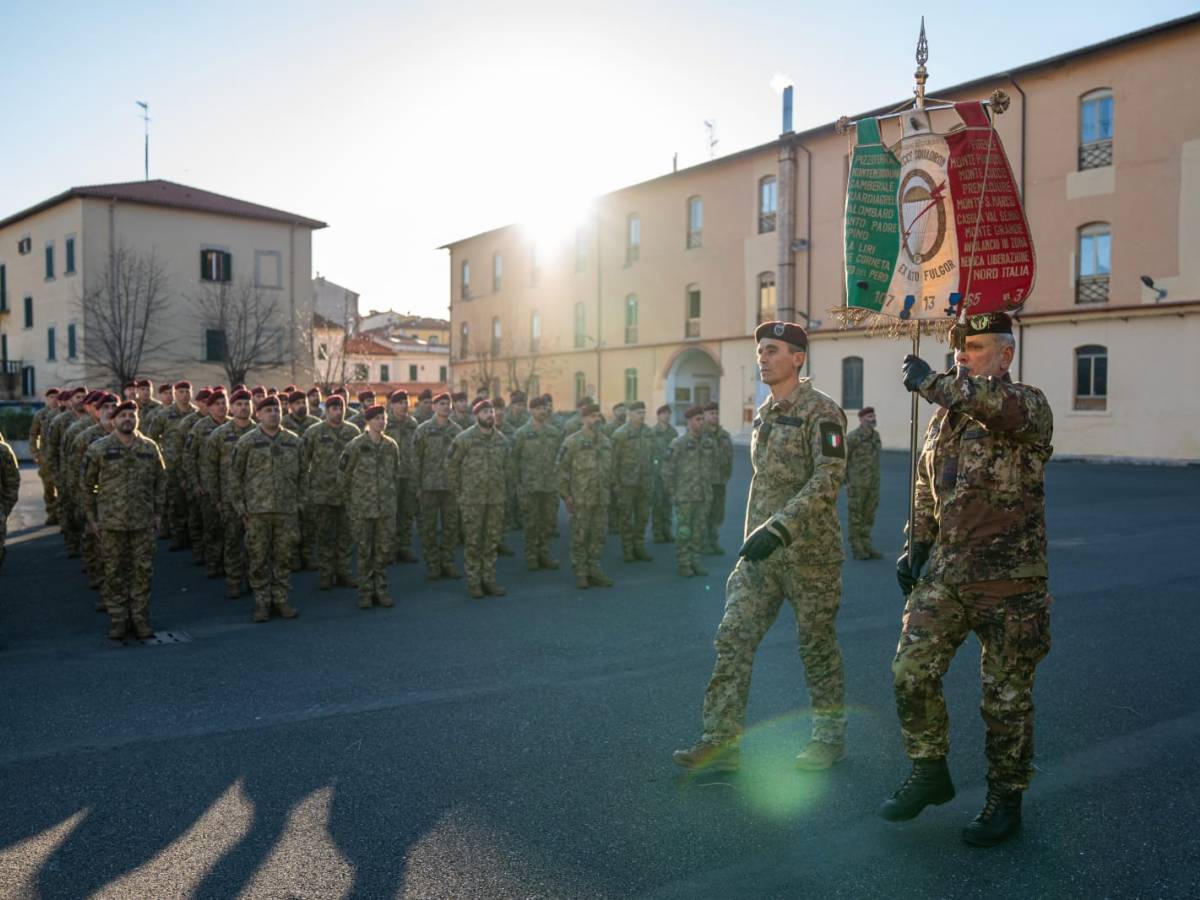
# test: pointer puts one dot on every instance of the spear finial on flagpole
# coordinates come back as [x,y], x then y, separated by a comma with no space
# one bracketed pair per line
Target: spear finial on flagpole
[921,75]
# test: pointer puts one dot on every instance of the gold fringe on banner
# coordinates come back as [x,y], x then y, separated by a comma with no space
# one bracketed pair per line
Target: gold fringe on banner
[880,325]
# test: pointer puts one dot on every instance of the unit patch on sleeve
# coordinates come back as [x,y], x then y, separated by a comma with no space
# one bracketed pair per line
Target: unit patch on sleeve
[833,442]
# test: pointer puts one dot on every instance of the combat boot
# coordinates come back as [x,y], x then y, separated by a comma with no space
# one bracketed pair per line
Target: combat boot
[490,587]
[262,612]
[600,580]
[406,556]
[709,756]
[999,820]
[640,554]
[628,556]
[364,602]
[531,565]
[928,782]
[505,550]
[698,569]
[385,600]
[547,563]
[347,581]
[448,571]
[433,575]
[685,571]
[819,755]
[872,553]
[286,610]
[233,591]
[142,629]
[117,631]
[475,592]
[582,583]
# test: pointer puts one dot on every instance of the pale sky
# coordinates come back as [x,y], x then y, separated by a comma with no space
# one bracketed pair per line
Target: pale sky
[409,125]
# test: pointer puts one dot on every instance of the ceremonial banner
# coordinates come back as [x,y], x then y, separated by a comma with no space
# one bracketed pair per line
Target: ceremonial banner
[933,220]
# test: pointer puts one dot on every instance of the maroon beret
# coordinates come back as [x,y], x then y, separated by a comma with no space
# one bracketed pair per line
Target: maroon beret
[259,389]
[239,394]
[183,385]
[144,382]
[866,411]
[584,401]
[129,384]
[363,395]
[165,388]
[52,392]
[481,405]
[93,397]
[636,405]
[693,411]
[268,401]
[398,396]
[218,394]
[239,387]
[335,400]
[314,390]
[666,407]
[498,403]
[440,397]
[458,395]
[426,394]
[204,395]
[297,396]
[537,403]
[712,405]
[124,406]
[788,332]
[620,405]
[589,409]
[289,388]
[373,412]
[516,397]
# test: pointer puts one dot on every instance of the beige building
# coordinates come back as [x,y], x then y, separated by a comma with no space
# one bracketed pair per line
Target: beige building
[657,296]
[55,276]
[375,361]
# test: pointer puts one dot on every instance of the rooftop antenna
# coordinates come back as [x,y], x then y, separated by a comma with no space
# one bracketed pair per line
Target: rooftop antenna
[146,124]
[710,125]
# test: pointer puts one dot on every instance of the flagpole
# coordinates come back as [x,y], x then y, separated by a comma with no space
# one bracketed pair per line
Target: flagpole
[920,76]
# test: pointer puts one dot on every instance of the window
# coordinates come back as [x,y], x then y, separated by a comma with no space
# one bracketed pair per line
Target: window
[464,340]
[767,195]
[852,382]
[3,289]
[631,385]
[580,251]
[28,382]
[362,372]
[50,343]
[580,386]
[69,251]
[322,352]
[695,221]
[268,269]
[412,373]
[631,319]
[3,348]
[216,265]
[385,372]
[692,328]
[1091,377]
[433,340]
[71,347]
[535,331]
[497,271]
[535,264]
[465,279]
[1095,263]
[580,325]
[25,245]
[28,312]
[766,297]
[633,238]
[496,334]
[49,260]
[1095,129]
[214,345]
[442,374]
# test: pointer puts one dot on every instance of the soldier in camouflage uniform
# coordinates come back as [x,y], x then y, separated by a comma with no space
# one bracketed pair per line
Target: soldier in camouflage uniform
[299,420]
[504,427]
[68,474]
[608,429]
[534,449]
[402,428]
[213,532]
[314,403]
[357,418]
[163,429]
[322,447]
[574,421]
[635,462]
[792,552]
[148,405]
[424,410]
[10,489]
[863,449]
[661,509]
[104,407]
[268,493]
[368,473]
[438,511]
[460,412]
[722,472]
[216,460]
[584,474]
[69,402]
[518,410]
[980,524]
[687,474]
[478,471]
[124,488]
[180,443]
[37,446]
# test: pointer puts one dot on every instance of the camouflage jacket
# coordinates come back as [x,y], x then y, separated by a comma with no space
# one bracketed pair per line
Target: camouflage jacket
[37,433]
[517,420]
[300,424]
[663,436]
[687,469]
[635,456]
[77,454]
[534,451]
[124,488]
[981,497]
[368,476]
[69,459]
[477,467]
[162,429]
[196,440]
[610,428]
[585,469]
[321,453]
[55,427]
[722,448]
[265,476]
[147,411]
[798,453]
[862,458]
[404,433]
[432,446]
[10,479]
[216,458]
[462,420]
[178,442]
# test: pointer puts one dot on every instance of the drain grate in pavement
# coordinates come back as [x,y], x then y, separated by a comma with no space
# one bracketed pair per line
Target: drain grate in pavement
[168,637]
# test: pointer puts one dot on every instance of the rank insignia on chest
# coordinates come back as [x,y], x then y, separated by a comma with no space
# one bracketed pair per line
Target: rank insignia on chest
[833,442]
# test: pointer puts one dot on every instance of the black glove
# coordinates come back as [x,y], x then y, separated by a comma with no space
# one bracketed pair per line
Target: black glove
[906,573]
[760,544]
[915,370]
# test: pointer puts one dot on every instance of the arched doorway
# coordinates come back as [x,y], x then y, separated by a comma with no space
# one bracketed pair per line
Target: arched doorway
[693,376]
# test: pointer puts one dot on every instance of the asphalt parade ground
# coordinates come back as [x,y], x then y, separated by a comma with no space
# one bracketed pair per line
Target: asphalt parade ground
[521,746]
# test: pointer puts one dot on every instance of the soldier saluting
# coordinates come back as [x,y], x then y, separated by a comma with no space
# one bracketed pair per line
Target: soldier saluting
[980,523]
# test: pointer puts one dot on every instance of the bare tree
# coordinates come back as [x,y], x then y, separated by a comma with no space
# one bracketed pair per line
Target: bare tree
[118,338]
[247,323]
[328,343]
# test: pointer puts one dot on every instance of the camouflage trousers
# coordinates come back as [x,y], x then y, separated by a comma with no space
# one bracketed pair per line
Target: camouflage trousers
[270,541]
[373,538]
[539,512]
[406,510]
[439,529]
[861,503]
[633,514]
[614,509]
[93,559]
[691,529]
[128,564]
[512,506]
[177,508]
[661,510]
[49,493]
[334,540]
[753,597]
[310,531]
[483,527]
[214,536]
[195,524]
[589,529]
[1012,621]
[715,517]
[233,554]
[71,522]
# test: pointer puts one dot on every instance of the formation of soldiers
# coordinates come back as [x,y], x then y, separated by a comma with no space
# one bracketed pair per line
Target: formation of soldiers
[258,483]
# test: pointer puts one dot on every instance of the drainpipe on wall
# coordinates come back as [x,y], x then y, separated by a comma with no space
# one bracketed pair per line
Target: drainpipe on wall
[808,250]
[292,297]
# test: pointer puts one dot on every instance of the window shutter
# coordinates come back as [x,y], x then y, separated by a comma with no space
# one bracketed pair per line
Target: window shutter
[228,260]
[203,267]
